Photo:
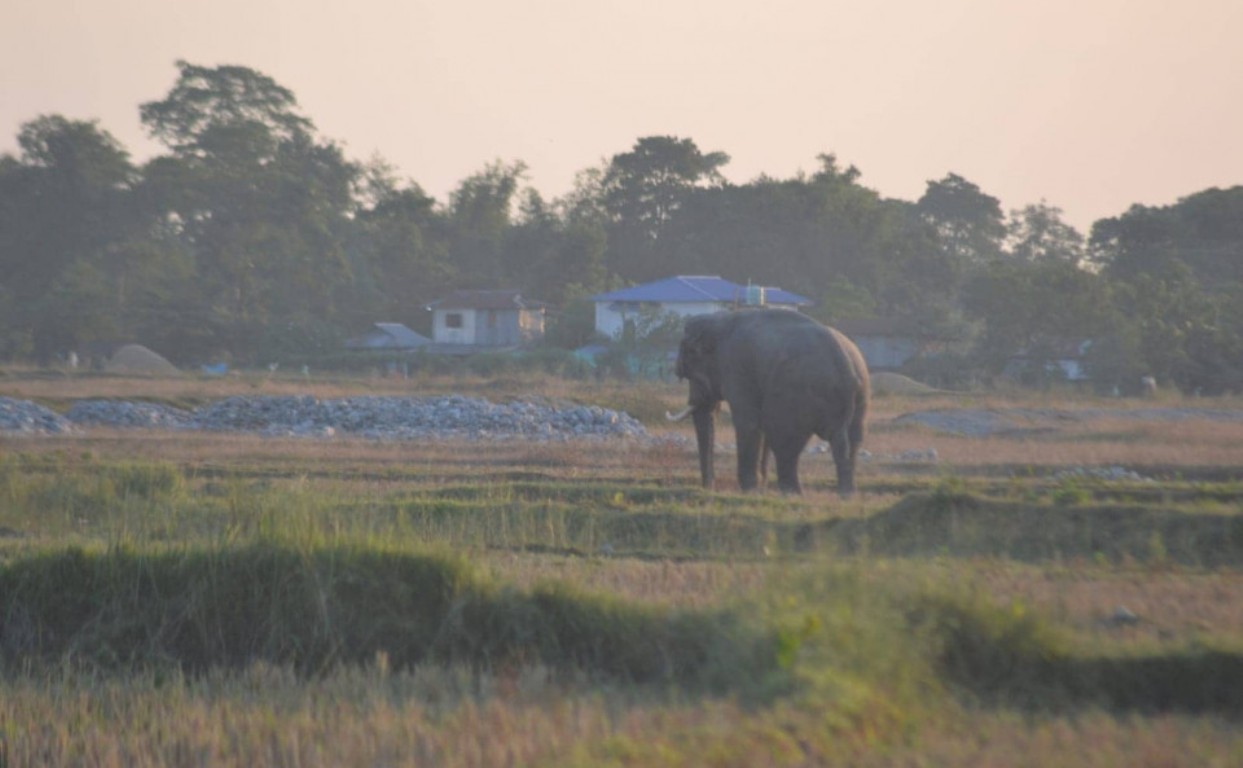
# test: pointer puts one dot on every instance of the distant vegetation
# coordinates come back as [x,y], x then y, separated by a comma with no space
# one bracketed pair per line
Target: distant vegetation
[253,239]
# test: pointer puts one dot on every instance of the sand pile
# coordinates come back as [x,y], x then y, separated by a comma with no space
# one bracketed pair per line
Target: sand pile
[135,358]
[886,383]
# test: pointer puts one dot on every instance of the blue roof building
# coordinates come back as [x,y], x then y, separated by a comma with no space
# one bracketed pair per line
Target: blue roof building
[684,295]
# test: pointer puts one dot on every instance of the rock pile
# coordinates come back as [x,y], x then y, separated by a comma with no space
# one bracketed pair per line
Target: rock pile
[380,418]
[25,417]
[1108,474]
[120,413]
[406,418]
[969,422]
[909,456]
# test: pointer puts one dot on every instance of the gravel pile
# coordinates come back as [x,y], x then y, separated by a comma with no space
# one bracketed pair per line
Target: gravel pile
[380,418]
[1109,474]
[25,417]
[970,422]
[404,418]
[120,413]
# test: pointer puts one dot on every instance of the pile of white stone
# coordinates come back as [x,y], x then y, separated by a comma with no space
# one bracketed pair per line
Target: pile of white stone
[1108,474]
[121,413]
[408,418]
[380,418]
[26,418]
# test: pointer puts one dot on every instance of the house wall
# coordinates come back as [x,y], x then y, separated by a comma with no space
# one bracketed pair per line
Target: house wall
[488,327]
[443,334]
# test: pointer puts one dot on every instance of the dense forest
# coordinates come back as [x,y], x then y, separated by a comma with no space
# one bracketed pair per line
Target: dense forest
[252,238]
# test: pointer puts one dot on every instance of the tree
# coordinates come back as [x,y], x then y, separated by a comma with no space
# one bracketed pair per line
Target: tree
[642,189]
[61,200]
[1170,328]
[805,233]
[545,255]
[220,110]
[479,218]
[1178,276]
[918,281]
[67,200]
[1204,231]
[969,222]
[261,204]
[1034,309]
[575,324]
[398,250]
[1037,233]
[843,300]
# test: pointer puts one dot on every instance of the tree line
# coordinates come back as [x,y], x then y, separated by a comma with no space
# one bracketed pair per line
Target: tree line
[251,237]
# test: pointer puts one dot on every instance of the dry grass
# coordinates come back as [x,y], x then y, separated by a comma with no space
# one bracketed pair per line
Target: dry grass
[1089,740]
[527,714]
[1173,605]
[268,717]
[1098,442]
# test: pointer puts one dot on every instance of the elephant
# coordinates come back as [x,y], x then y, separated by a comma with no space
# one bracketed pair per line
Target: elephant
[785,377]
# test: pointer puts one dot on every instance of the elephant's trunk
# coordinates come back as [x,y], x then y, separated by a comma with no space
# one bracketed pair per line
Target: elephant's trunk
[705,434]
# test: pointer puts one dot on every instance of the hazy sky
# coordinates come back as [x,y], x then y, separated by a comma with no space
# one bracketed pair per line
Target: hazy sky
[1091,105]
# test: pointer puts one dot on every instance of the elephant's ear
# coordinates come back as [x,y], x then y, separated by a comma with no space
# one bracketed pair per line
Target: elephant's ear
[700,338]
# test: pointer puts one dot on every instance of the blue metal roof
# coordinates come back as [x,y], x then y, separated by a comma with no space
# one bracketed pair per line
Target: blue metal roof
[696,288]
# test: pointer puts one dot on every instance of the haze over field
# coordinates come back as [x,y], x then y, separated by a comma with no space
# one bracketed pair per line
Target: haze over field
[1090,106]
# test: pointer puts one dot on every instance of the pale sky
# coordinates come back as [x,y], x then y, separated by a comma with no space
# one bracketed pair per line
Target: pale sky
[1091,105]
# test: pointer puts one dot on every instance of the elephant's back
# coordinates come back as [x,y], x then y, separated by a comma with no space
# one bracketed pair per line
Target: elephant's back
[852,357]
[789,344]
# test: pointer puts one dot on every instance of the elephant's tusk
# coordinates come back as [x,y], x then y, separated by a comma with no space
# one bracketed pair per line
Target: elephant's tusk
[679,415]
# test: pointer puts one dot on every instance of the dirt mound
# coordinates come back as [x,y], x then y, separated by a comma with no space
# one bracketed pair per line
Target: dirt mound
[886,383]
[135,358]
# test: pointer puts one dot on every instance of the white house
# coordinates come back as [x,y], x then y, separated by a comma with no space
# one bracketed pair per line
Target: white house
[486,319]
[684,295]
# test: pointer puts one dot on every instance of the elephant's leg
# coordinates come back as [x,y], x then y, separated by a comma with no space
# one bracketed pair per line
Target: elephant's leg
[787,451]
[750,445]
[705,437]
[844,452]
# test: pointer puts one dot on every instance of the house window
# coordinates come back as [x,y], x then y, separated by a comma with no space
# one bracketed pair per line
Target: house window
[453,320]
[491,318]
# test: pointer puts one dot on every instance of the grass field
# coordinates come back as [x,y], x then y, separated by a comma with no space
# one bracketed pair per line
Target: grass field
[173,598]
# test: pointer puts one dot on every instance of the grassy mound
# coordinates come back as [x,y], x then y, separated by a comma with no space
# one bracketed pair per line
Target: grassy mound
[313,609]
[960,524]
